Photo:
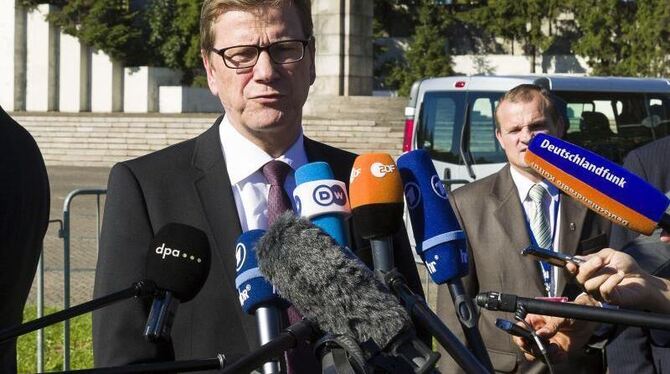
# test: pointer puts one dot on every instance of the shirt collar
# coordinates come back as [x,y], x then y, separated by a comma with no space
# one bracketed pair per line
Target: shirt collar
[243,158]
[523,185]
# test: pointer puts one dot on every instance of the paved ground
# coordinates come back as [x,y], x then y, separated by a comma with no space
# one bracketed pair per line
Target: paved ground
[83,250]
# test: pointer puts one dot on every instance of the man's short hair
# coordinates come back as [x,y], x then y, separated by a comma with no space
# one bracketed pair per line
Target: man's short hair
[525,93]
[212,9]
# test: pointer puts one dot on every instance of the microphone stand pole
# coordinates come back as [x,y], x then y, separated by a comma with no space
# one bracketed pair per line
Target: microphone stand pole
[141,289]
[287,339]
[418,308]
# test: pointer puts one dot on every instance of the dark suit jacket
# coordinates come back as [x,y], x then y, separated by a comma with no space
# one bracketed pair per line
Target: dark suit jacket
[494,222]
[24,217]
[186,183]
[632,349]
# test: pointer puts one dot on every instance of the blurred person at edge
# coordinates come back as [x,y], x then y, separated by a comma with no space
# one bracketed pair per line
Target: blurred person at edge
[498,216]
[24,218]
[259,59]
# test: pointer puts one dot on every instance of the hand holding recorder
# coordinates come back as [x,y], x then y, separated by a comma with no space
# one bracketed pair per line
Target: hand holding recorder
[614,277]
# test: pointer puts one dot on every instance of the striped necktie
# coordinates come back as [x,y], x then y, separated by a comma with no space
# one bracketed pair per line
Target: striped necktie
[539,221]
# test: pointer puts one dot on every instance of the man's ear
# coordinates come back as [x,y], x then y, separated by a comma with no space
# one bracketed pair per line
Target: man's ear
[211,79]
[499,137]
[312,66]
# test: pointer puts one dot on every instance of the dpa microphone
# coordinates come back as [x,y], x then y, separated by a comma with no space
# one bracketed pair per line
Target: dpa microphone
[603,186]
[178,261]
[322,199]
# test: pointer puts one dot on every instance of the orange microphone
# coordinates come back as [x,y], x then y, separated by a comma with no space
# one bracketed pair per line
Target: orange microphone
[376,195]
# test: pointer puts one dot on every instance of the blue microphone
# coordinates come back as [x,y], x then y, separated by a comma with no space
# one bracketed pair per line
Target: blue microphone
[440,241]
[322,199]
[257,295]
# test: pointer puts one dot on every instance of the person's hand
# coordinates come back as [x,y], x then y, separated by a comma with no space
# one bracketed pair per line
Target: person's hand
[614,277]
[665,236]
[564,334]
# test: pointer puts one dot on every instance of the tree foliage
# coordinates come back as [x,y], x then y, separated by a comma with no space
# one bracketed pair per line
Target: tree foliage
[427,54]
[153,32]
[518,20]
[629,38]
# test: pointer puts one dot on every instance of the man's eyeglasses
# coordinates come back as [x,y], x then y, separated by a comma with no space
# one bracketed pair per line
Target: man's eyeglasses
[246,56]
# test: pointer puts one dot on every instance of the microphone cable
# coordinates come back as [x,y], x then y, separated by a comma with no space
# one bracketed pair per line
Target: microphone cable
[520,315]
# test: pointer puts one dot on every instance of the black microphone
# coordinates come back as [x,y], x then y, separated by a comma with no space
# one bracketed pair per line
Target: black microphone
[164,280]
[511,303]
[331,287]
[178,261]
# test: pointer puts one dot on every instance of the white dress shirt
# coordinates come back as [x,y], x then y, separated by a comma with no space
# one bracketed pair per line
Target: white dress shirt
[244,160]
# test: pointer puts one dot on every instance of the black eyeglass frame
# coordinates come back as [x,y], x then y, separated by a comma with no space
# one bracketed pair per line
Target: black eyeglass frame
[260,49]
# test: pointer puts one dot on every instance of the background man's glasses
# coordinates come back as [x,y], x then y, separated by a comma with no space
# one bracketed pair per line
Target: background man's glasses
[246,56]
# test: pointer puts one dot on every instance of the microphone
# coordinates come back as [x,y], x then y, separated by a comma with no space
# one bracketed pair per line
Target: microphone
[178,261]
[331,287]
[322,199]
[377,205]
[603,186]
[256,294]
[181,277]
[440,239]
[511,303]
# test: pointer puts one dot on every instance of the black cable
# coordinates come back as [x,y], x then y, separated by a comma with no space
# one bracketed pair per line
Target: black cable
[520,315]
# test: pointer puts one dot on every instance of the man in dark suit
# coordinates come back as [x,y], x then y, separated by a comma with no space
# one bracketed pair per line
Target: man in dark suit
[24,217]
[504,213]
[633,349]
[259,59]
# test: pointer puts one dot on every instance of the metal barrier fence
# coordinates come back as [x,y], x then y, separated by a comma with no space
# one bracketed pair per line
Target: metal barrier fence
[65,234]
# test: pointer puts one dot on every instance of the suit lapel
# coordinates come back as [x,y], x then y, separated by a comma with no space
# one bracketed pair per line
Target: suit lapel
[572,216]
[218,204]
[511,217]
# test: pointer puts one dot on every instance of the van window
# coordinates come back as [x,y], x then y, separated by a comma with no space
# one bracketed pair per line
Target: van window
[608,123]
[611,124]
[441,123]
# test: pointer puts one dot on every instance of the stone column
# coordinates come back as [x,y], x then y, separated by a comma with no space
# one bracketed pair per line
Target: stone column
[75,75]
[106,83]
[41,61]
[12,56]
[343,32]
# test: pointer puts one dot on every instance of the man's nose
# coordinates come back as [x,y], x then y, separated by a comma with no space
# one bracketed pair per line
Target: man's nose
[526,135]
[265,69]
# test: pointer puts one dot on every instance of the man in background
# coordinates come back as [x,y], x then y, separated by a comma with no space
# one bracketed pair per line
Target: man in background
[507,211]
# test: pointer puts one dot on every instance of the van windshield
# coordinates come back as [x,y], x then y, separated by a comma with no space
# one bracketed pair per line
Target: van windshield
[608,123]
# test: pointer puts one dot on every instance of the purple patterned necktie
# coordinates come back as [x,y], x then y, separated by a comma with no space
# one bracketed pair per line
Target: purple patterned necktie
[300,359]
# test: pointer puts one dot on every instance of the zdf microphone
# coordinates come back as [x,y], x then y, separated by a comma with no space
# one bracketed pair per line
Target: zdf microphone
[322,199]
[375,191]
[603,186]
[178,262]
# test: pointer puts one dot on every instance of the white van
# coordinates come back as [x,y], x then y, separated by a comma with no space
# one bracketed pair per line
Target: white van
[452,118]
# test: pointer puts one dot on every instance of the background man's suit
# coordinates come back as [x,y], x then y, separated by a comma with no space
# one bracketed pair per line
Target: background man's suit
[636,350]
[187,183]
[24,217]
[493,219]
